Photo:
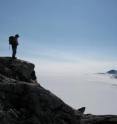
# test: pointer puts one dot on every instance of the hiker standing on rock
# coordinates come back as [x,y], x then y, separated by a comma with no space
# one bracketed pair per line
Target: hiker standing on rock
[13,41]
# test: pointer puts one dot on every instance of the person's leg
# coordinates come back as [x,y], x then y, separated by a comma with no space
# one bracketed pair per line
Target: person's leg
[14,48]
[12,51]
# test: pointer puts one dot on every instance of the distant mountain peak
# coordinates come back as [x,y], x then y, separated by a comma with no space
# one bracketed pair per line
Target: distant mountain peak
[112,71]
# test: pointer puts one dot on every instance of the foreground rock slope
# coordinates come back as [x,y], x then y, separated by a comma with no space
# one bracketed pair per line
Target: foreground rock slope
[24,101]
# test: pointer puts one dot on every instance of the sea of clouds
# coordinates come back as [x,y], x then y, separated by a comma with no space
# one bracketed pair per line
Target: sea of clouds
[79,84]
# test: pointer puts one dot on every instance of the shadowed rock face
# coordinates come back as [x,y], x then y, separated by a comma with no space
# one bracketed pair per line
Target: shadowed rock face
[30,103]
[16,69]
[25,102]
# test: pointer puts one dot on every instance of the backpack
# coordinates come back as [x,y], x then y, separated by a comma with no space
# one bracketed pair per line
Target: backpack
[11,40]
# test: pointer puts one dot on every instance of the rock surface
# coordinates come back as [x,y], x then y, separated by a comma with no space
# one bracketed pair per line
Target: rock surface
[112,72]
[16,69]
[23,101]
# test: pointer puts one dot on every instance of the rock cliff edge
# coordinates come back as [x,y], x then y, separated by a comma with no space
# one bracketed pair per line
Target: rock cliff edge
[24,101]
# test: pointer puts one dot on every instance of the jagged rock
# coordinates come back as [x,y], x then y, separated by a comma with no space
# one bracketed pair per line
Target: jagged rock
[16,69]
[81,110]
[31,102]
[99,119]
[25,102]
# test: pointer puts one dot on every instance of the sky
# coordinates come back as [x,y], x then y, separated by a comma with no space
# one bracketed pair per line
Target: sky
[66,39]
[61,30]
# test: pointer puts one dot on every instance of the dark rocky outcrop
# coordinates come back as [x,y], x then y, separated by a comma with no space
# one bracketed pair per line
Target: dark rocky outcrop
[15,69]
[24,101]
[112,72]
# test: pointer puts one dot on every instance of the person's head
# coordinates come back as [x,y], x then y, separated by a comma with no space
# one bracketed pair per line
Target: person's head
[17,35]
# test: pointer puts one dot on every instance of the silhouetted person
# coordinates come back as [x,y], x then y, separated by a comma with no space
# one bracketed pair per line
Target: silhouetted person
[13,41]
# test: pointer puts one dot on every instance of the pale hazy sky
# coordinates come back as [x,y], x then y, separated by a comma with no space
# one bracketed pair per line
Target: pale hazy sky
[61,30]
